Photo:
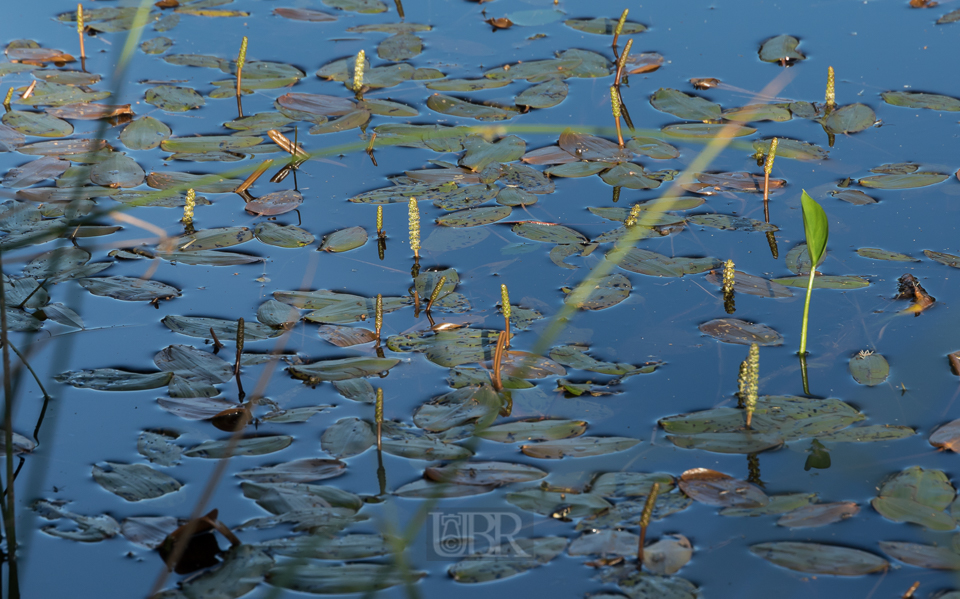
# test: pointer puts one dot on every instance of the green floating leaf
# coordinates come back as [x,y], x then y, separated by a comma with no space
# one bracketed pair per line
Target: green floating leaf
[781,48]
[338,579]
[728,222]
[791,148]
[134,482]
[631,176]
[346,547]
[461,108]
[685,106]
[341,369]
[868,368]
[919,496]
[921,100]
[157,45]
[211,183]
[778,504]
[484,473]
[849,119]
[347,437]
[174,99]
[402,46]
[653,148]
[549,503]
[853,196]
[37,124]
[903,181]
[718,489]
[56,94]
[650,263]
[818,558]
[110,379]
[466,85]
[578,447]
[951,17]
[424,489]
[604,26]
[605,293]
[741,332]
[191,363]
[247,446]
[543,95]
[868,434]
[345,308]
[359,6]
[46,167]
[548,233]
[922,556]
[226,330]
[129,289]
[510,559]
[475,217]
[481,152]
[942,258]
[706,131]
[145,133]
[117,171]
[533,430]
[344,240]
[751,285]
[742,442]
[285,236]
[825,282]
[759,112]
[461,406]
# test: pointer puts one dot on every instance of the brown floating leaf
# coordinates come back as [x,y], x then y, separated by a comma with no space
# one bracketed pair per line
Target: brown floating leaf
[819,514]
[716,488]
[278,202]
[910,288]
[343,336]
[816,558]
[734,330]
[501,23]
[304,14]
[947,436]
[644,63]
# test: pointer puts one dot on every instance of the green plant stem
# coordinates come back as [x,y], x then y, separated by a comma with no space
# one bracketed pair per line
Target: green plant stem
[806,312]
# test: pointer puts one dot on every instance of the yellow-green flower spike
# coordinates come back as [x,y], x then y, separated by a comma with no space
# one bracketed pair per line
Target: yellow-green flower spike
[190,203]
[378,414]
[634,215]
[831,95]
[615,102]
[414,218]
[242,58]
[378,315]
[378,418]
[753,382]
[380,221]
[436,292]
[79,18]
[728,276]
[647,512]
[505,301]
[623,57]
[771,156]
[9,96]
[742,383]
[358,71]
[623,19]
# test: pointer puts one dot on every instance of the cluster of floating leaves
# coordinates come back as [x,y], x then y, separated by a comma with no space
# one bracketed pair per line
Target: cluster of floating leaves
[443,429]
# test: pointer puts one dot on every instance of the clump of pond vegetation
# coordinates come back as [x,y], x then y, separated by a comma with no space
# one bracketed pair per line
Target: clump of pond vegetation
[265,320]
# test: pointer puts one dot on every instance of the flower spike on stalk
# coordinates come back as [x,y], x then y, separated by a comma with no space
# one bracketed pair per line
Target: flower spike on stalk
[505,303]
[414,220]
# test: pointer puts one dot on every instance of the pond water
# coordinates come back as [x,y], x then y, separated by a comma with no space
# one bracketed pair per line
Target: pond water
[87,436]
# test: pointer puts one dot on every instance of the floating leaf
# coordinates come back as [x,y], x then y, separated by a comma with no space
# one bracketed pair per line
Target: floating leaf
[109,379]
[148,531]
[921,100]
[685,106]
[226,330]
[534,430]
[922,556]
[605,543]
[247,446]
[359,6]
[791,148]
[510,559]
[129,289]
[117,170]
[549,503]
[869,369]
[543,95]
[727,222]
[466,85]
[942,258]
[344,240]
[548,232]
[849,119]
[459,407]
[342,369]
[285,236]
[651,263]
[605,293]
[706,131]
[337,579]
[242,569]
[192,363]
[342,336]
[174,99]
[47,167]
[759,112]
[456,107]
[159,448]
[781,48]
[819,514]
[752,285]
[37,124]
[144,133]
[715,488]
[480,153]
[825,282]
[591,148]
[603,26]
[484,473]
[347,437]
[304,14]
[630,484]
[745,442]
[817,558]
[134,482]
[853,196]
[578,447]
[402,46]
[865,434]
[903,181]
